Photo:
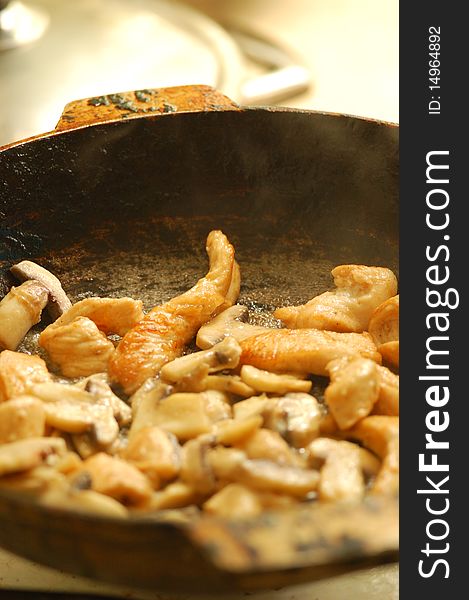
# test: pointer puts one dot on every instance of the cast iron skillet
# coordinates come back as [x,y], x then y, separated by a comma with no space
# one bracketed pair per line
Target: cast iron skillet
[118,201]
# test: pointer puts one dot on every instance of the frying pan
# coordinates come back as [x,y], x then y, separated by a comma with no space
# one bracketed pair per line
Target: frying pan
[118,201]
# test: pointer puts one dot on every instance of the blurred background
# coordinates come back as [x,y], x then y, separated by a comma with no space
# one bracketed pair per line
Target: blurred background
[331,55]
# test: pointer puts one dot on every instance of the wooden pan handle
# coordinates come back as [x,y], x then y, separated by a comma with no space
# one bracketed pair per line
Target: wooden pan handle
[127,105]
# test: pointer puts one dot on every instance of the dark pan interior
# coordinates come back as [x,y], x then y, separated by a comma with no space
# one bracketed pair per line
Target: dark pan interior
[124,209]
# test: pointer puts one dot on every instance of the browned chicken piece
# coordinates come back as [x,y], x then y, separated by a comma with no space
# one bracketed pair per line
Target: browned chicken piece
[110,315]
[154,452]
[381,435]
[79,348]
[384,329]
[232,322]
[117,478]
[360,290]
[21,418]
[20,309]
[18,372]
[353,391]
[304,350]
[388,399]
[162,334]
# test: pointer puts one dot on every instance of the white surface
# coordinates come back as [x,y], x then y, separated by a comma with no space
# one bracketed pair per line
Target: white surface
[380,583]
[350,46]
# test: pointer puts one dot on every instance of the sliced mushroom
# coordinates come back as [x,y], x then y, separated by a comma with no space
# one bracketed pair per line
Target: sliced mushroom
[87,501]
[163,333]
[322,447]
[353,391]
[53,391]
[235,501]
[217,406]
[381,435]
[264,381]
[20,309]
[304,350]
[154,452]
[231,384]
[29,453]
[97,385]
[117,478]
[145,404]
[269,445]
[21,418]
[18,372]
[296,417]
[79,348]
[384,328]
[341,475]
[230,464]
[183,414]
[232,322]
[250,407]
[196,470]
[233,431]
[77,417]
[224,355]
[360,289]
[35,481]
[58,301]
[174,495]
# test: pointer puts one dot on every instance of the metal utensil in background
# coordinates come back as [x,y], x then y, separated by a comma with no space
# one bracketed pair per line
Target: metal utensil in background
[95,47]
[285,76]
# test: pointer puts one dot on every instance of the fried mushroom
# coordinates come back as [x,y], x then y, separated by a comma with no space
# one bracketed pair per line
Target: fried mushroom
[20,309]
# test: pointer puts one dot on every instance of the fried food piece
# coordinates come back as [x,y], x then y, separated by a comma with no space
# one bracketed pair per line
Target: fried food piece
[353,391]
[360,290]
[18,372]
[341,475]
[21,418]
[154,452]
[110,315]
[384,329]
[162,334]
[58,301]
[79,348]
[264,381]
[381,435]
[117,478]
[232,322]
[26,454]
[20,309]
[234,501]
[224,355]
[304,350]
[388,399]
[269,445]
[296,417]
